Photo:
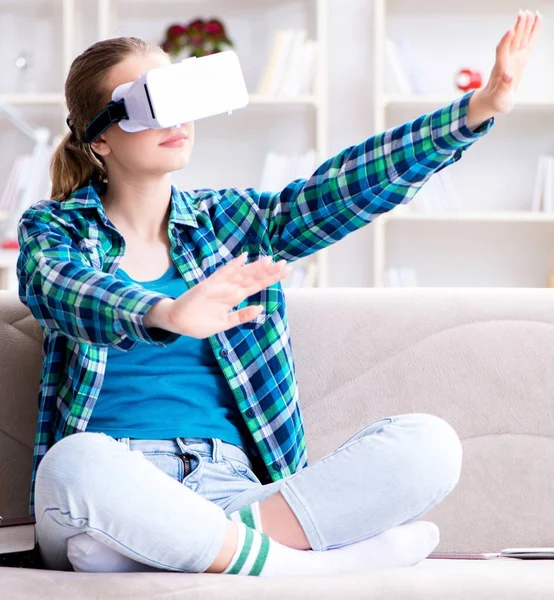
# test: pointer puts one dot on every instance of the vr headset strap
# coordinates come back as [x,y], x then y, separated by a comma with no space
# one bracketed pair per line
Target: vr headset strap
[113,113]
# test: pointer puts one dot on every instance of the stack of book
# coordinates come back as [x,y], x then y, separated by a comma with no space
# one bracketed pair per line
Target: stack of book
[438,194]
[401,277]
[303,274]
[28,181]
[543,189]
[290,69]
[18,547]
[402,76]
[281,169]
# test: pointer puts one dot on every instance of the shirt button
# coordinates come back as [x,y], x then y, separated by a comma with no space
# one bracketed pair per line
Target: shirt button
[249,413]
[178,249]
[276,466]
[223,353]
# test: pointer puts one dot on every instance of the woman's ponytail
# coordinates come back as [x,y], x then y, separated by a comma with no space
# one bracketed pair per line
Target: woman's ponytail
[74,162]
[72,165]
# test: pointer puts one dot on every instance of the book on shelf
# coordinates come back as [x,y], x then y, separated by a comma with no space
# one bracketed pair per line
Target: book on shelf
[401,276]
[18,543]
[15,183]
[302,275]
[296,277]
[437,194]
[28,181]
[290,69]
[543,188]
[17,534]
[281,169]
[402,75]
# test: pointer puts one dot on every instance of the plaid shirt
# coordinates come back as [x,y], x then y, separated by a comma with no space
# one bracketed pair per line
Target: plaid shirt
[70,251]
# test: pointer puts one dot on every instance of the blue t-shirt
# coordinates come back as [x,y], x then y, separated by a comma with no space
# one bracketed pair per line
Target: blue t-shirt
[153,392]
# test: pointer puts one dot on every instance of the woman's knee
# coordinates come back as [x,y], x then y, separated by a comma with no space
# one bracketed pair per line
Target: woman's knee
[437,448]
[76,447]
[74,460]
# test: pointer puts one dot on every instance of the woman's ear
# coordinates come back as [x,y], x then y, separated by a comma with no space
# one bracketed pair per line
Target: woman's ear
[100,146]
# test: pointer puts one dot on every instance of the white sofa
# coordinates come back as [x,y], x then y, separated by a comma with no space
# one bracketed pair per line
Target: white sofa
[480,358]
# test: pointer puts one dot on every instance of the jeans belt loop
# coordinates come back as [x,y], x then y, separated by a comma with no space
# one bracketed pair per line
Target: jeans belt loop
[217,450]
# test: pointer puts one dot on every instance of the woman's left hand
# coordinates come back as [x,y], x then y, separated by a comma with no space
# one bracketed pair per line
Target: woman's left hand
[498,95]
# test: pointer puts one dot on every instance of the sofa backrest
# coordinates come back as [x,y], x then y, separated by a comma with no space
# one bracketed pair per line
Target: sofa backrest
[479,358]
[20,363]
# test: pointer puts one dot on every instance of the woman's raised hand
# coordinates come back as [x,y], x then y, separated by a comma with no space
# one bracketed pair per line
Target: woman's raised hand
[512,53]
[205,309]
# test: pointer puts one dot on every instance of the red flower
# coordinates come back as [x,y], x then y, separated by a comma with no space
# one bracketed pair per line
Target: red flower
[214,27]
[175,31]
[197,25]
[169,46]
[197,40]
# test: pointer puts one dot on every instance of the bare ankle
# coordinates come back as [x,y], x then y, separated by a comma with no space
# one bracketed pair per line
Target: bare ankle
[281,524]
[227,551]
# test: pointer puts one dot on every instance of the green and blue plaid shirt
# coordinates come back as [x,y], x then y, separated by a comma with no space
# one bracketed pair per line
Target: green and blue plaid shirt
[70,251]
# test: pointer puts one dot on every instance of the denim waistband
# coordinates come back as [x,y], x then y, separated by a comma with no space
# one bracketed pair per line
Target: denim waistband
[215,447]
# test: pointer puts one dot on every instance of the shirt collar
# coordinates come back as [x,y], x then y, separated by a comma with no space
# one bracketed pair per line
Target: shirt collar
[88,196]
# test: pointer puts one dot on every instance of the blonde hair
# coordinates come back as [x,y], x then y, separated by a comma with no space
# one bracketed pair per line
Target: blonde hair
[74,162]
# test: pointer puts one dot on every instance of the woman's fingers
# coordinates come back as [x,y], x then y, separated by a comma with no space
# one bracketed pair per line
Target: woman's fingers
[237,317]
[527,31]
[230,269]
[241,282]
[234,264]
[252,270]
[537,23]
[503,50]
[258,280]
[519,30]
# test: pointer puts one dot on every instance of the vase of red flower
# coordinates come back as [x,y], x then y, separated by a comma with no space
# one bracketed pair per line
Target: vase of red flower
[199,38]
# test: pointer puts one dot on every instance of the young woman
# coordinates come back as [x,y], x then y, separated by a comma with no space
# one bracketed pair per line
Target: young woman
[191,453]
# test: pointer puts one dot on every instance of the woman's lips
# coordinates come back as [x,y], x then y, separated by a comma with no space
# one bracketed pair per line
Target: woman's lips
[175,141]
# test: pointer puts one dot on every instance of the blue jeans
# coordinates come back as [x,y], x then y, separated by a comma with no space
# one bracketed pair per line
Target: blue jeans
[163,503]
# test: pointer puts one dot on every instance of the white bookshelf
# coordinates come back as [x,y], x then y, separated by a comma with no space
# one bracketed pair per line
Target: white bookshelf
[514,216]
[432,101]
[84,22]
[495,177]
[39,99]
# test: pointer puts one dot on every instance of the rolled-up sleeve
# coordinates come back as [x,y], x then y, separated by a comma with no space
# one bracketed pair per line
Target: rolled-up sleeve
[65,294]
[352,188]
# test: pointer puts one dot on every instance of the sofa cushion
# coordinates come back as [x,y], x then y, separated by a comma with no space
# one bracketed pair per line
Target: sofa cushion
[436,579]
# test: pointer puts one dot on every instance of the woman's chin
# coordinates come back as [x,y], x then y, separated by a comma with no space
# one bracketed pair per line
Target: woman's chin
[175,164]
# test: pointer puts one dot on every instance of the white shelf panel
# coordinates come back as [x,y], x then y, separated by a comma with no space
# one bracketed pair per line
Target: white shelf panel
[481,217]
[38,99]
[257,99]
[8,258]
[32,99]
[430,100]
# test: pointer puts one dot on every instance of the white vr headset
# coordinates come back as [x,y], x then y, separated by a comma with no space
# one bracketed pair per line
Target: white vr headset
[169,96]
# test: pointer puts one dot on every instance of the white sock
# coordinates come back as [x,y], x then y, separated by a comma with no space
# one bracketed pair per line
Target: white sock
[402,546]
[249,515]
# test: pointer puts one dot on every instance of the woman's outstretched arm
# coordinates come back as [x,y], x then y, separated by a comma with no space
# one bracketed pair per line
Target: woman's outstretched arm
[351,189]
